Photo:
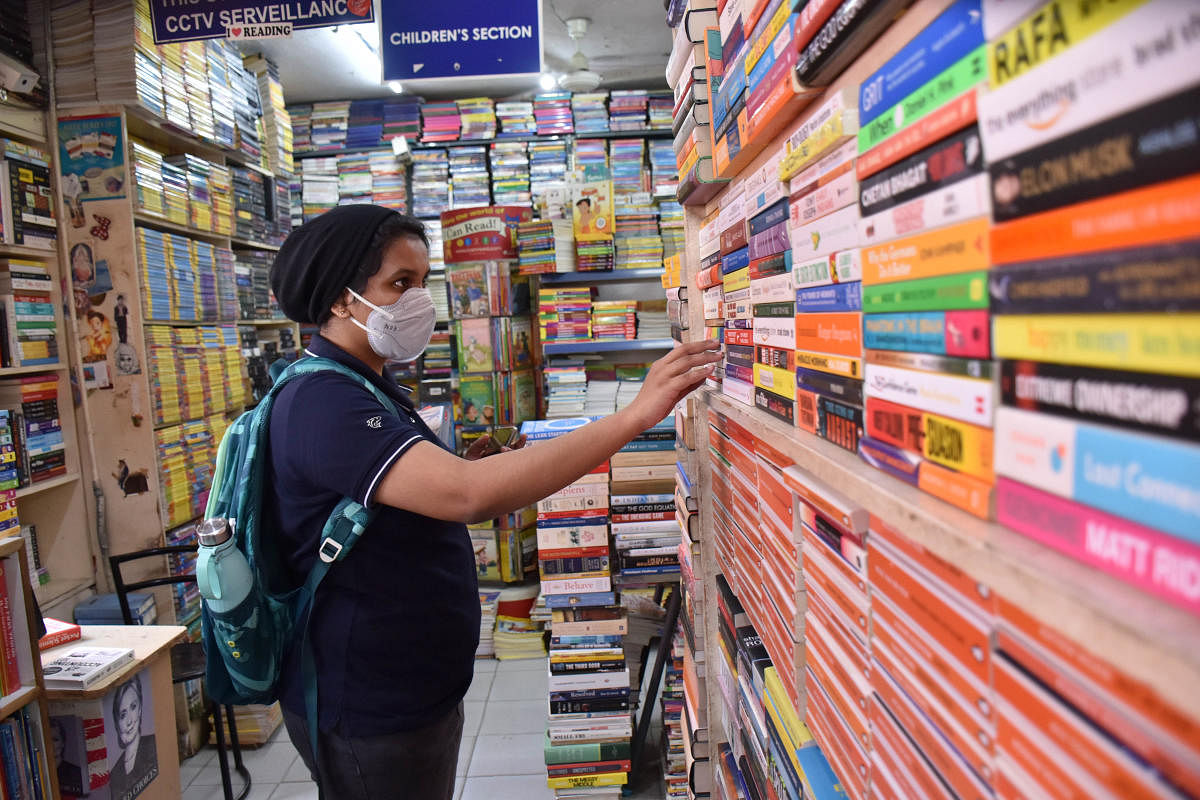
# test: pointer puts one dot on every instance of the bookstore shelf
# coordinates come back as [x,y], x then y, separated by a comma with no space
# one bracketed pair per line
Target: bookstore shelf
[599,276]
[6,372]
[622,345]
[145,124]
[162,224]
[246,244]
[1153,642]
[16,700]
[656,133]
[52,483]
[28,252]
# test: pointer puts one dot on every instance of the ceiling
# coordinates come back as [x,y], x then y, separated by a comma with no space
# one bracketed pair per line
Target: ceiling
[627,43]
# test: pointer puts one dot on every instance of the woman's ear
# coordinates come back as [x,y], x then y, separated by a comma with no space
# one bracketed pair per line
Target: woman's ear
[341,306]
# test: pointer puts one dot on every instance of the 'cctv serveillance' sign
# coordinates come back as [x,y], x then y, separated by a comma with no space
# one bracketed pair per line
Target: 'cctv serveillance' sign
[459,38]
[189,20]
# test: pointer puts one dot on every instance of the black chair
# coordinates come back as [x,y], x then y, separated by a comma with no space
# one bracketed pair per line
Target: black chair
[187,658]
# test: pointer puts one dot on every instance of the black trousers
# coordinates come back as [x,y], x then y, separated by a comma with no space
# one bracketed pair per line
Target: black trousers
[412,765]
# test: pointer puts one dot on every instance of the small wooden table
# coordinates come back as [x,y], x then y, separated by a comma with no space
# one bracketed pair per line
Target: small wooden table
[151,650]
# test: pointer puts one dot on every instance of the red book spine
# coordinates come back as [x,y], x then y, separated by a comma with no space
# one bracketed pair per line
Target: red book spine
[12,674]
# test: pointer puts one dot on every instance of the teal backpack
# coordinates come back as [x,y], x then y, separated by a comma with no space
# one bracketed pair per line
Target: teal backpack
[245,647]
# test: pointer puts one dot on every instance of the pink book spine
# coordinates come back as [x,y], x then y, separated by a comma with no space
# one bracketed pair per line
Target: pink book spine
[1143,557]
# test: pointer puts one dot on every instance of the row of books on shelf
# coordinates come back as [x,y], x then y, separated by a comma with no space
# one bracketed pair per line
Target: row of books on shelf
[927,325]
[228,200]
[32,448]
[917,676]
[27,213]
[336,125]
[28,320]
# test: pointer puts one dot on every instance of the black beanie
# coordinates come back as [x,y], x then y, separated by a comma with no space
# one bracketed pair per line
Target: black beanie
[321,257]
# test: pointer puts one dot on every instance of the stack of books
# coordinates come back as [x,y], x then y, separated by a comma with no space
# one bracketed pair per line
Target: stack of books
[276,124]
[195,79]
[147,176]
[627,110]
[565,313]
[664,176]
[636,236]
[319,186]
[469,180]
[517,635]
[439,122]
[175,193]
[674,761]
[220,89]
[516,119]
[247,106]
[27,214]
[489,600]
[365,124]
[402,117]
[546,245]
[199,193]
[220,185]
[28,323]
[388,176]
[431,185]
[510,174]
[614,319]
[547,170]
[437,261]
[595,255]
[477,118]
[671,227]
[589,702]
[645,531]
[301,114]
[589,112]
[354,178]
[566,388]
[552,110]
[33,412]
[627,157]
[591,156]
[10,481]
[661,107]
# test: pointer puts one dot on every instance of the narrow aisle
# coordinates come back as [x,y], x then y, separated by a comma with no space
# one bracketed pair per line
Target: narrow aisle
[500,757]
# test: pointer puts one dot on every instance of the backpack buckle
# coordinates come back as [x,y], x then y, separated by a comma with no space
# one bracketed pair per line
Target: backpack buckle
[329,550]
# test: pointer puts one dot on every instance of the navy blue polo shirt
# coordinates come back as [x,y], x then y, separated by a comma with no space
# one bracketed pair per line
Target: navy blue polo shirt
[395,624]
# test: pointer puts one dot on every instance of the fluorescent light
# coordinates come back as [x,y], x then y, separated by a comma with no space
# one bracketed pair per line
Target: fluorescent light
[548,81]
[396,86]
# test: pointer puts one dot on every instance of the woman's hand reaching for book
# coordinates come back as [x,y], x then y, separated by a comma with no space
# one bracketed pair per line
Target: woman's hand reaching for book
[673,377]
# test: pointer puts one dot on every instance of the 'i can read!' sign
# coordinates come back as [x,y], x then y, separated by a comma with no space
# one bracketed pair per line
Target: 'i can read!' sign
[481,234]
[189,20]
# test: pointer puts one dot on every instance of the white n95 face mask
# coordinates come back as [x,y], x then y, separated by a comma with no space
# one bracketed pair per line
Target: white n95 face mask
[400,331]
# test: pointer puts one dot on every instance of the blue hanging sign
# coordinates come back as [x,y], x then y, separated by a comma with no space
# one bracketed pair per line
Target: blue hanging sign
[460,38]
[176,21]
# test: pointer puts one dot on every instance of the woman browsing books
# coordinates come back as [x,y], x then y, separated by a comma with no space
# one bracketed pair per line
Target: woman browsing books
[396,624]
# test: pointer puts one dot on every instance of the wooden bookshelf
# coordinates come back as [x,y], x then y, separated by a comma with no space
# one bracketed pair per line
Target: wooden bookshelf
[31,694]
[59,507]
[1153,642]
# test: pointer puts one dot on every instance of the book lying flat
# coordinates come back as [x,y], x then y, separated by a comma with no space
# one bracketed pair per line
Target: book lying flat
[83,667]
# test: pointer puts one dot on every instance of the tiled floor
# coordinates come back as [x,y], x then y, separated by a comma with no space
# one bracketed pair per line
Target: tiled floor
[500,757]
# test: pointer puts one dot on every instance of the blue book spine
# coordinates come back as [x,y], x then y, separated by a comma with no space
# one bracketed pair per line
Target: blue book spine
[950,37]
[585,599]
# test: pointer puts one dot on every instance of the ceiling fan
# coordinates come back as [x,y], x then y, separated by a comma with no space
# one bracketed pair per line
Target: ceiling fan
[578,77]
